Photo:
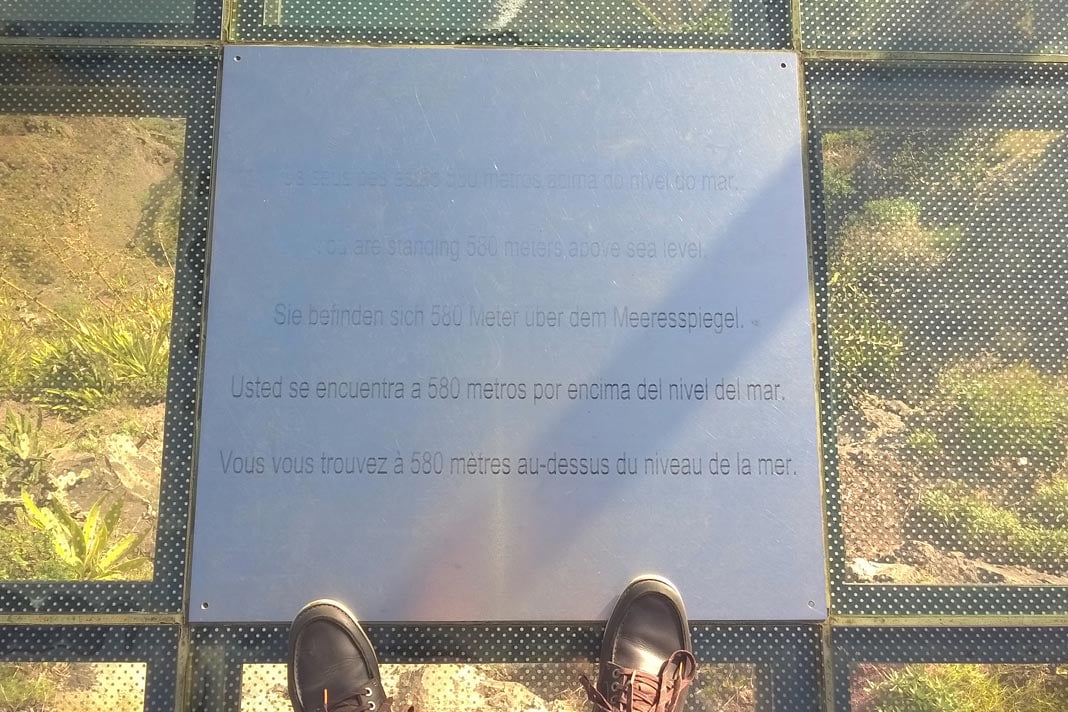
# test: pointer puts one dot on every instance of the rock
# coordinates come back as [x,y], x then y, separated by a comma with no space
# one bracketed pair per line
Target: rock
[898,407]
[1015,575]
[445,688]
[989,574]
[136,473]
[863,571]
[917,553]
[955,568]
[882,420]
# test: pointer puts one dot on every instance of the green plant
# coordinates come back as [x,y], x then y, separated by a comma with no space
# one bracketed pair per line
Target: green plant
[86,549]
[26,555]
[101,359]
[726,687]
[924,443]
[1049,506]
[937,688]
[960,522]
[25,688]
[866,350]
[968,688]
[843,152]
[1014,412]
[23,456]
[13,351]
[135,351]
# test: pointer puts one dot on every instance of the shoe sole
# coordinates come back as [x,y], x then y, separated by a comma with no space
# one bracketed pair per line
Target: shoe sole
[306,614]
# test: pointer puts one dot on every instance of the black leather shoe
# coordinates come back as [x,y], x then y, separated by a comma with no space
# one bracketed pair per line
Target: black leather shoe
[332,666]
[647,659]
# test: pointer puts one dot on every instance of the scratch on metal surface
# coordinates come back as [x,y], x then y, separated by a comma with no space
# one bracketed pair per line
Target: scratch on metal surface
[425,119]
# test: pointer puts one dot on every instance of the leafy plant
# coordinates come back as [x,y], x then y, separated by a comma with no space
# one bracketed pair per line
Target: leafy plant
[13,350]
[726,687]
[103,358]
[886,240]
[87,549]
[842,152]
[28,555]
[23,454]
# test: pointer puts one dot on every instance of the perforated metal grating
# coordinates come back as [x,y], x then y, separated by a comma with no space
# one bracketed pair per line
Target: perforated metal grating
[88,668]
[141,19]
[560,23]
[939,213]
[513,667]
[950,668]
[1005,26]
[502,686]
[106,167]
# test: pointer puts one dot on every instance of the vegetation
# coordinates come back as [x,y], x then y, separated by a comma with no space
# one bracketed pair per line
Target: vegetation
[969,688]
[22,455]
[1049,506]
[88,549]
[947,319]
[64,686]
[1015,412]
[88,235]
[725,688]
[976,528]
[25,688]
[28,555]
[101,360]
[867,349]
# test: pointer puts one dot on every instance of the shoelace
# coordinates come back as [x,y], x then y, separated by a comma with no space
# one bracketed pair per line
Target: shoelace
[637,691]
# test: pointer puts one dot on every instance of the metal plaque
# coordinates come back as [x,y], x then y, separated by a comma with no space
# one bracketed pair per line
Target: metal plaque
[492,332]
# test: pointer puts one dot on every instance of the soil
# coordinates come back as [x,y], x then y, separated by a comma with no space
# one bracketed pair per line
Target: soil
[877,487]
[76,179]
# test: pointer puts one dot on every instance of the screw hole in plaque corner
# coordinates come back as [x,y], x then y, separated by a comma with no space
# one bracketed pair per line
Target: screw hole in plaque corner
[237,58]
[811,604]
[204,605]
[781,64]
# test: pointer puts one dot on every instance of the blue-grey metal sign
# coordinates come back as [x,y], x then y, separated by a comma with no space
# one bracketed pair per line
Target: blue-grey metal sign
[491,332]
